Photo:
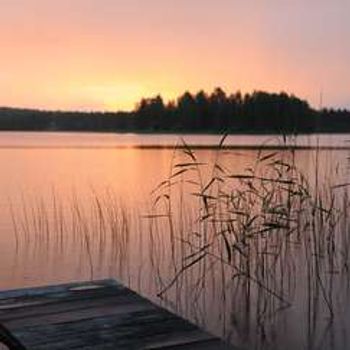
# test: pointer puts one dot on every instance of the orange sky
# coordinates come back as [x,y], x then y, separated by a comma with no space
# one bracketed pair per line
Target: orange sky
[107,54]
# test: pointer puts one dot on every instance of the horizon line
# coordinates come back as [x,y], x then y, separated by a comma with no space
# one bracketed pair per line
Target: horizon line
[86,110]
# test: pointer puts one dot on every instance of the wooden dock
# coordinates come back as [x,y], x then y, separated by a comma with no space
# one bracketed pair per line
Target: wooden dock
[94,315]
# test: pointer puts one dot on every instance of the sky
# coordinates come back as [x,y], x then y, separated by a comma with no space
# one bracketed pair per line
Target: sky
[107,54]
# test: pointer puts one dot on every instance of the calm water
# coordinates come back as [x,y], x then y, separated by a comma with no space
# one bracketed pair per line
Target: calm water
[79,206]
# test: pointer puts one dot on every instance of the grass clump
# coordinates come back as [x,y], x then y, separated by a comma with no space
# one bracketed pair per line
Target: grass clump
[278,238]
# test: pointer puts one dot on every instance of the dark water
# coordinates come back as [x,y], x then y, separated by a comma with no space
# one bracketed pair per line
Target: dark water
[80,206]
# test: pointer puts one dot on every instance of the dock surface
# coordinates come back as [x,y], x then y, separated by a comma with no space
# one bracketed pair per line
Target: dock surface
[94,315]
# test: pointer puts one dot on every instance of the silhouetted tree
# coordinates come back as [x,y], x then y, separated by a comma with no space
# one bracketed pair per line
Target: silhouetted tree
[258,112]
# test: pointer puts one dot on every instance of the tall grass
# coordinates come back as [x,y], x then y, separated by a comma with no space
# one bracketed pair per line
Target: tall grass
[89,233]
[274,235]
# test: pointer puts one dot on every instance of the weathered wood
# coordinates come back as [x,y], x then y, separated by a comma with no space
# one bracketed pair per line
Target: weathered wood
[95,315]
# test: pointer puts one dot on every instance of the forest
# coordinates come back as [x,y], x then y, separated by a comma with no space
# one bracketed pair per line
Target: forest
[254,113]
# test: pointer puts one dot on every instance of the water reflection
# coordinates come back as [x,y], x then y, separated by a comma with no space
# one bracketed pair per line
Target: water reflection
[90,213]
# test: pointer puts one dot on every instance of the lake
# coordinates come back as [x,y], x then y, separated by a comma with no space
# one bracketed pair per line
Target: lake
[77,206]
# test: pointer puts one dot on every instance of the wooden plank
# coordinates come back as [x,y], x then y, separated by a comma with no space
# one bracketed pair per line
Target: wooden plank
[67,288]
[73,310]
[96,315]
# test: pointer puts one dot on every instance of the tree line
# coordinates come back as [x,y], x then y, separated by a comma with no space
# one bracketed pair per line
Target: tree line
[257,112]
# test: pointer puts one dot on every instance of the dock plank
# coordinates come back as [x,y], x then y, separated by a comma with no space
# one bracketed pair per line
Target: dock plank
[96,315]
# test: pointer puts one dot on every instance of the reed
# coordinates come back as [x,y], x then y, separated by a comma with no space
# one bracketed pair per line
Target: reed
[269,231]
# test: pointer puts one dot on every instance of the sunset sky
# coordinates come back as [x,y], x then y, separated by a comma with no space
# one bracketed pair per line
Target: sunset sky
[107,54]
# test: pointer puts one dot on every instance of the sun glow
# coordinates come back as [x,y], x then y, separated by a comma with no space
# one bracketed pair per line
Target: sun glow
[114,96]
